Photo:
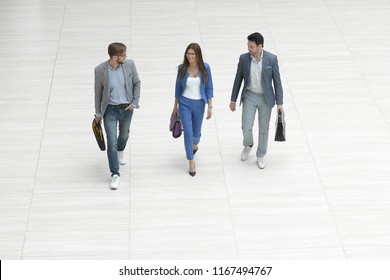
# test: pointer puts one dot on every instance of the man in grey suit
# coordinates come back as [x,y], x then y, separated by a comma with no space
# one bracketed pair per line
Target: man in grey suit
[117,93]
[262,89]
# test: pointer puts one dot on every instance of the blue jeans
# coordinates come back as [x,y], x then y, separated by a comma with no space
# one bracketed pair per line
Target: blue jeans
[191,115]
[112,117]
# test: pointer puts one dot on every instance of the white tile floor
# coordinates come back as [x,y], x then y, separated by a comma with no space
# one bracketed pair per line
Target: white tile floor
[324,194]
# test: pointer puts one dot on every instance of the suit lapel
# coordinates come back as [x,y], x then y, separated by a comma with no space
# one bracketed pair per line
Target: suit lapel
[126,71]
[105,74]
[247,66]
[266,61]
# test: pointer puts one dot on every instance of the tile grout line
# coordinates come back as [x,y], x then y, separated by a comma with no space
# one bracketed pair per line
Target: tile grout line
[43,132]
[220,151]
[307,141]
[357,66]
[361,74]
[129,168]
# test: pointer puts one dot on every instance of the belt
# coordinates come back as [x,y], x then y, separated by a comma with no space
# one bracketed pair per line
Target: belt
[255,92]
[120,106]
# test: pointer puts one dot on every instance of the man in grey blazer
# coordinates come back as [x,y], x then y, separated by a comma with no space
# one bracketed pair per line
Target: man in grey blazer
[262,89]
[117,93]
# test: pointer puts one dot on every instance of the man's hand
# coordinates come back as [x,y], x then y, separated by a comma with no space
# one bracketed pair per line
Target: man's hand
[232,107]
[130,107]
[98,119]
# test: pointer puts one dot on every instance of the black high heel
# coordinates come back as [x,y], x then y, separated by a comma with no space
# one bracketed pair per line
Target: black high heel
[192,173]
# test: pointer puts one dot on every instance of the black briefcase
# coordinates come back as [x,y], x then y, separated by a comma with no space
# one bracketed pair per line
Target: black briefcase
[280,132]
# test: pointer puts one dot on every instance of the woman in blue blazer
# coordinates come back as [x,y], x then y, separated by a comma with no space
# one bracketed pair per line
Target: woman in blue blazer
[194,89]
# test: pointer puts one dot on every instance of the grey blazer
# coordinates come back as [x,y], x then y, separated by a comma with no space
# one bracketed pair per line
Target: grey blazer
[270,75]
[102,87]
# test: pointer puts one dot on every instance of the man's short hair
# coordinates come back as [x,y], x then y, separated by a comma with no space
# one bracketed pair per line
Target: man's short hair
[257,38]
[116,49]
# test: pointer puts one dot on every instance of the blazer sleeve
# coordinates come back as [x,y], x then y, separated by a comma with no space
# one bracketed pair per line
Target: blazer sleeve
[238,80]
[209,88]
[277,82]
[98,91]
[136,85]
[178,86]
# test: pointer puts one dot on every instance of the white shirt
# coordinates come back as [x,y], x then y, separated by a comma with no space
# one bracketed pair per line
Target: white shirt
[192,90]
[255,75]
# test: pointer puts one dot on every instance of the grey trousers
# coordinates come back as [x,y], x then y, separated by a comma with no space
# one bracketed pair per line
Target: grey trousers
[252,102]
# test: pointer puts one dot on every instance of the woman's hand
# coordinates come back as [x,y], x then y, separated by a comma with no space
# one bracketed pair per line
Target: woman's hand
[209,113]
[175,111]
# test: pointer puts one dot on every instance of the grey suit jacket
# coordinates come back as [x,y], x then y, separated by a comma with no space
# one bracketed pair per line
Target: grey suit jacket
[102,87]
[270,75]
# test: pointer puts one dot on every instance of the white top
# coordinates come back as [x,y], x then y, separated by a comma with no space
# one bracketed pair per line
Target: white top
[192,90]
[255,76]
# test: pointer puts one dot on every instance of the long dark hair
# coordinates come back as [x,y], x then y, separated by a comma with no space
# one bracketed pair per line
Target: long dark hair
[199,58]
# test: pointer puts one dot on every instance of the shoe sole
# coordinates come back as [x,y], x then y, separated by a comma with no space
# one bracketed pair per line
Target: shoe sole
[115,188]
[244,158]
[260,167]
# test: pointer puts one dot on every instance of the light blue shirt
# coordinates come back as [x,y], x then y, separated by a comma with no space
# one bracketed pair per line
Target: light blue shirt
[116,79]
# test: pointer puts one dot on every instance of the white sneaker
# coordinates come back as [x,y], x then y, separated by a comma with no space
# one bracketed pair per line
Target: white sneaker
[121,157]
[245,153]
[260,163]
[114,185]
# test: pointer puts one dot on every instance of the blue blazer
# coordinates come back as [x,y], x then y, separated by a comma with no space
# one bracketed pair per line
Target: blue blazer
[270,76]
[206,89]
